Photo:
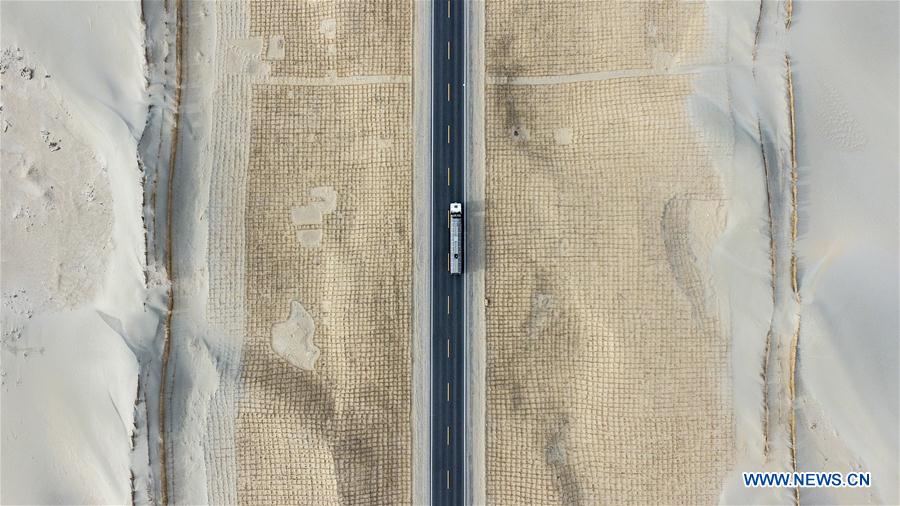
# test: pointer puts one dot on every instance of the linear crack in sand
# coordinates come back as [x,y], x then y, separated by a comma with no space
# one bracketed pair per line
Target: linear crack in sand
[170,265]
[794,214]
[765,390]
[788,13]
[756,34]
[772,283]
[795,341]
[794,283]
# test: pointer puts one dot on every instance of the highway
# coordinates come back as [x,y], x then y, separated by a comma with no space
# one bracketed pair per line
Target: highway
[447,361]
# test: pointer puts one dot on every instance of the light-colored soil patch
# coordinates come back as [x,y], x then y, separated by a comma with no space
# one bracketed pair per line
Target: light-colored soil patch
[306,215]
[324,202]
[309,238]
[293,338]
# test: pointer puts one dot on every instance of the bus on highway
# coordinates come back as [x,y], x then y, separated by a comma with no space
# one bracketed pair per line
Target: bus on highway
[456,231]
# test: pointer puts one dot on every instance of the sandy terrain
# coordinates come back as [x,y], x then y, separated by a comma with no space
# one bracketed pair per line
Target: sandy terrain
[847,102]
[307,320]
[475,448]
[607,364]
[532,38]
[421,255]
[78,316]
[682,230]
[352,279]
[340,37]
[815,345]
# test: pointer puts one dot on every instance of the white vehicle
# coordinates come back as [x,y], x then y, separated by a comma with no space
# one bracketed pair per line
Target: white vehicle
[456,232]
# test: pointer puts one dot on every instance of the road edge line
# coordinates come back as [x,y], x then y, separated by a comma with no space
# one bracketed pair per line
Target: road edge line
[420,409]
[474,190]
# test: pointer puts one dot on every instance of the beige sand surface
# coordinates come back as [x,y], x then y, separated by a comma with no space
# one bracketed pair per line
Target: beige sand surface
[310,207]
[606,362]
[536,37]
[337,37]
[339,432]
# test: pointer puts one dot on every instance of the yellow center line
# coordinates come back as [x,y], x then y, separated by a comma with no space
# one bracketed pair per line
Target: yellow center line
[448,134]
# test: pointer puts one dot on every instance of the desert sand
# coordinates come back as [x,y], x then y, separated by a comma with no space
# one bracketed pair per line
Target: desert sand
[78,312]
[315,162]
[682,244]
[607,364]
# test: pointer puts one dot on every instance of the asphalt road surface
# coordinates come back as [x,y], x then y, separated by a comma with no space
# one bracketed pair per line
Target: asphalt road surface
[447,403]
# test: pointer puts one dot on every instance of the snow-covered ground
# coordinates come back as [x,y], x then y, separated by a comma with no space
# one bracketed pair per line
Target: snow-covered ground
[76,309]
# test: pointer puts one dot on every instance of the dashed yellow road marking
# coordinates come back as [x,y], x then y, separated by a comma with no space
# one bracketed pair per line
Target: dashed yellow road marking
[448,49]
[448,92]
[448,8]
[448,176]
[448,134]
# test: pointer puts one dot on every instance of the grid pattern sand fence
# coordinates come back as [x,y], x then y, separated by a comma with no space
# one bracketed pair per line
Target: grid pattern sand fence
[337,37]
[541,37]
[606,363]
[325,418]
[340,432]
